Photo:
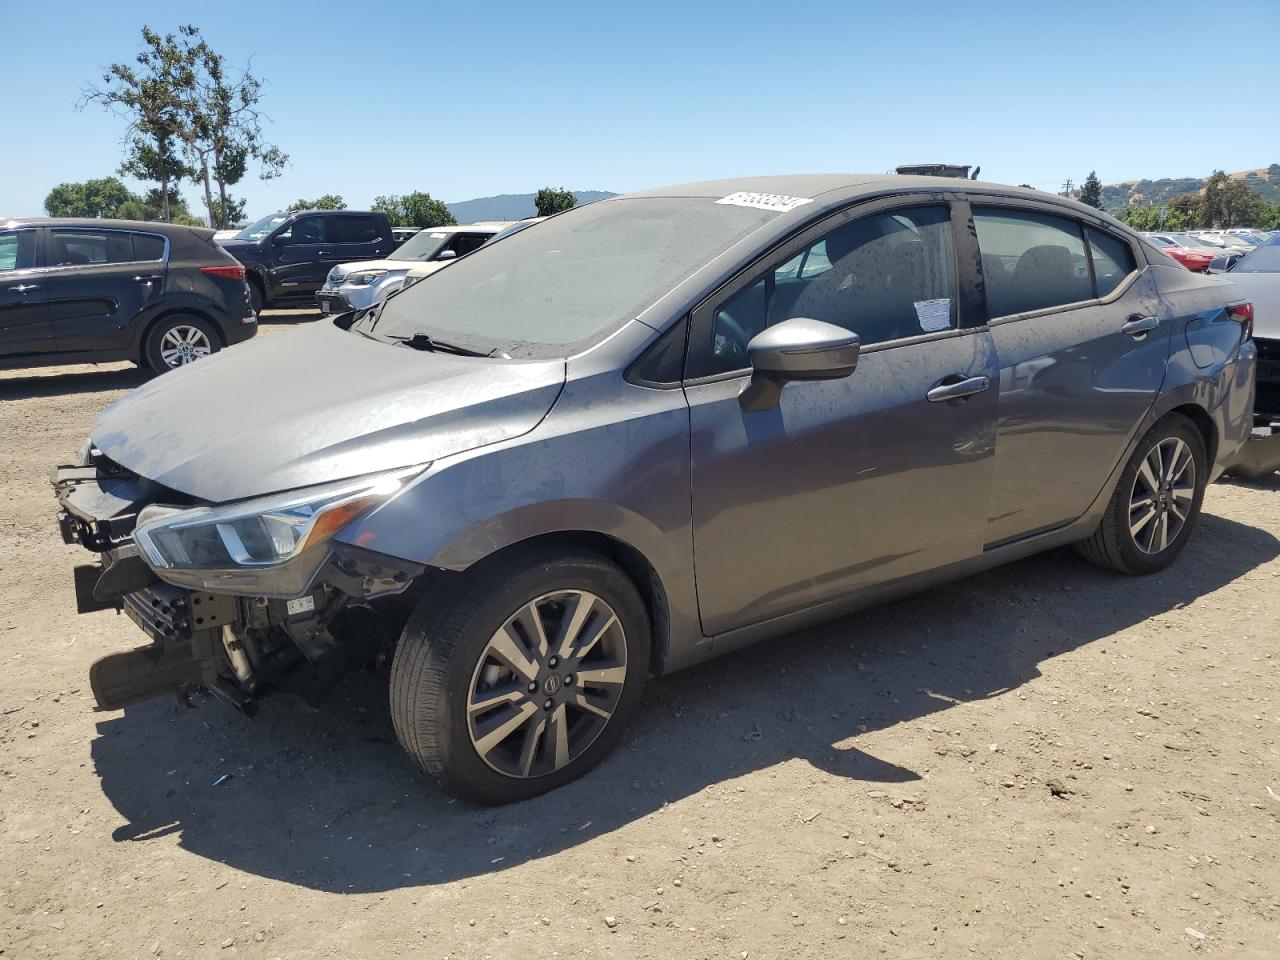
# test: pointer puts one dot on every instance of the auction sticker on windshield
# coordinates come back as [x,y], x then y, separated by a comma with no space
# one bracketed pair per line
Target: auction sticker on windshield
[765,201]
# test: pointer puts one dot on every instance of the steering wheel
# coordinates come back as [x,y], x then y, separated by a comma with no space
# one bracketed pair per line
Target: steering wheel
[730,345]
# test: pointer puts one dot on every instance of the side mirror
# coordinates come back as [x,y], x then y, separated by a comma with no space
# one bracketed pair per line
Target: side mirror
[447,255]
[796,349]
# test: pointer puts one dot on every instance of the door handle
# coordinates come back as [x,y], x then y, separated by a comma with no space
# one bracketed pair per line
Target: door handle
[24,287]
[958,390]
[1139,326]
[143,279]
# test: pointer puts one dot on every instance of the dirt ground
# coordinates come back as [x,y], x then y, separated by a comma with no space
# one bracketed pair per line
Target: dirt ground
[1046,760]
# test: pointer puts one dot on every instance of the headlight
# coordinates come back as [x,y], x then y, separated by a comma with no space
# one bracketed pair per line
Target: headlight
[261,533]
[365,277]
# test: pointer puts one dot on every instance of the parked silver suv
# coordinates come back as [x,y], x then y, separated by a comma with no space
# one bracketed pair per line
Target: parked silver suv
[649,432]
[355,286]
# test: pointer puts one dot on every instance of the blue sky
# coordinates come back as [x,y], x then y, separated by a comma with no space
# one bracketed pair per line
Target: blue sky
[473,99]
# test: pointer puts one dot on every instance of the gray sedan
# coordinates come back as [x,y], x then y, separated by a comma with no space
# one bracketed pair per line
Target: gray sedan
[654,430]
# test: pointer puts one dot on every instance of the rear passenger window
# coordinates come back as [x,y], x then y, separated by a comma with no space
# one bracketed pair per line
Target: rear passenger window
[354,229]
[74,248]
[147,246]
[1112,260]
[1030,261]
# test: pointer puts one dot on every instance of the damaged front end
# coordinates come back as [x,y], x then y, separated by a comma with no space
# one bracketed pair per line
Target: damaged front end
[238,599]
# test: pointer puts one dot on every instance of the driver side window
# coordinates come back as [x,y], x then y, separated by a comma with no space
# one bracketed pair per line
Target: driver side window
[885,277]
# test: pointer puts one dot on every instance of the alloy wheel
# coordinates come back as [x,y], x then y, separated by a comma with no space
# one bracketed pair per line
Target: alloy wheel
[1163,492]
[184,344]
[547,684]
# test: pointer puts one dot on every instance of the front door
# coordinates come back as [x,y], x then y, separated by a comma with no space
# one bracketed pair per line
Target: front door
[25,328]
[849,483]
[303,256]
[1083,343]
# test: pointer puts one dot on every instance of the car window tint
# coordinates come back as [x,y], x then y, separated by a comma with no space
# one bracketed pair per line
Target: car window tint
[17,250]
[74,248]
[467,242]
[1030,261]
[352,229]
[885,277]
[147,246]
[305,230]
[1112,260]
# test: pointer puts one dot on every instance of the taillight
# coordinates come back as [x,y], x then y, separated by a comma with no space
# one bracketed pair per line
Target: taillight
[235,272]
[1242,313]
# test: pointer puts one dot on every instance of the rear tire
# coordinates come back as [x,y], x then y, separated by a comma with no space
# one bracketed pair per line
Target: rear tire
[257,297]
[177,340]
[1156,503]
[495,713]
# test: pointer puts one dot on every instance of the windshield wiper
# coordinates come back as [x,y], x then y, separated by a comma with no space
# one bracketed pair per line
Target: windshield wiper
[420,341]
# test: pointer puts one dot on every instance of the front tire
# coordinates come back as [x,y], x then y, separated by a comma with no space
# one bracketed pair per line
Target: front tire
[520,675]
[178,340]
[1156,503]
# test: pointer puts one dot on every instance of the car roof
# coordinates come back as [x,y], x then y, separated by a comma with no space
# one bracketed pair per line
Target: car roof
[101,223]
[830,189]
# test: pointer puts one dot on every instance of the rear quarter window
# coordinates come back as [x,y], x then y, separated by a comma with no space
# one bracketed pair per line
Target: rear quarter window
[1112,260]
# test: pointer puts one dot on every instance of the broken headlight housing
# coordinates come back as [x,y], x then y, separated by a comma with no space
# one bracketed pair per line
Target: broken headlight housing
[269,546]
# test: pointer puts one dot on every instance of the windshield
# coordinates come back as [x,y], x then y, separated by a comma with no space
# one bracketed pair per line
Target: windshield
[423,245]
[1263,259]
[1159,241]
[256,231]
[578,277]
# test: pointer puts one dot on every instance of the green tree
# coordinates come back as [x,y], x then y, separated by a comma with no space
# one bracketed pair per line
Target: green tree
[330,201]
[189,116]
[1185,212]
[415,209]
[1144,218]
[148,95]
[1091,192]
[1270,220]
[1229,203]
[550,201]
[92,198]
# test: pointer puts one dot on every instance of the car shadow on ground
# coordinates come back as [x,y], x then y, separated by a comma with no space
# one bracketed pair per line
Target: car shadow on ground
[327,800]
[86,379]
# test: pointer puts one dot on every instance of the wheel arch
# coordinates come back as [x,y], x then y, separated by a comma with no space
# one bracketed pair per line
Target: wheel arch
[634,564]
[140,344]
[1208,430]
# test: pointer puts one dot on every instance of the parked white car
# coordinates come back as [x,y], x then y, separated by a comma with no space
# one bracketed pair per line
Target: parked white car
[354,286]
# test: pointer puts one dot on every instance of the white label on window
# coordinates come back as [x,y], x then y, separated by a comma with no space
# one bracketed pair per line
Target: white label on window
[438,236]
[301,605]
[765,201]
[934,315]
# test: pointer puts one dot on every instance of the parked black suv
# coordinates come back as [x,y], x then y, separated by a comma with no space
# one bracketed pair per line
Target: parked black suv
[288,255]
[93,291]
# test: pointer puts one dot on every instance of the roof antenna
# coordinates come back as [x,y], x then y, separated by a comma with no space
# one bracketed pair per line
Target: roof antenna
[976,170]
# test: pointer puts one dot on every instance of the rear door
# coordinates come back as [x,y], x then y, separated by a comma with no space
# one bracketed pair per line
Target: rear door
[98,284]
[352,237]
[25,327]
[849,483]
[1083,343]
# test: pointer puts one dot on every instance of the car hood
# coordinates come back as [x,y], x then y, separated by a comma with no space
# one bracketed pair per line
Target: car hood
[314,405]
[412,268]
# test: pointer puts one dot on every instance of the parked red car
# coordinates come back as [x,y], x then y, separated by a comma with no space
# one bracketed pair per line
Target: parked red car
[1196,261]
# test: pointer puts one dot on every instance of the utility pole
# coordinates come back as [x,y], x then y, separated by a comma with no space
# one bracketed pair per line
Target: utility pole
[1067,187]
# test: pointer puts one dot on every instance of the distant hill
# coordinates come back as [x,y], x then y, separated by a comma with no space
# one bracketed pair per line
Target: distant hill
[1264,181]
[511,206]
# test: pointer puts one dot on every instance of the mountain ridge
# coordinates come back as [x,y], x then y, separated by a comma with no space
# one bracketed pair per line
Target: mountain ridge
[511,206]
